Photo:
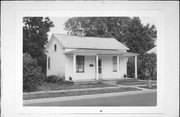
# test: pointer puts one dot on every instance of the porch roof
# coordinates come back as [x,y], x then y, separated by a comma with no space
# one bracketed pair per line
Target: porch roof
[98,52]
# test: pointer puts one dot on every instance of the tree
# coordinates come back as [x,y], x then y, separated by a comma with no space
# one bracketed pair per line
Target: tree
[35,37]
[148,61]
[32,75]
[129,31]
[137,37]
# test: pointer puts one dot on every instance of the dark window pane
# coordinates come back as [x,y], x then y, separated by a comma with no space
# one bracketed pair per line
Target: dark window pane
[55,47]
[48,62]
[114,63]
[80,63]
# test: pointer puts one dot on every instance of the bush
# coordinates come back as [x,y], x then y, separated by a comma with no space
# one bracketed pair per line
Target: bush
[146,61]
[149,61]
[55,79]
[68,82]
[32,76]
[130,68]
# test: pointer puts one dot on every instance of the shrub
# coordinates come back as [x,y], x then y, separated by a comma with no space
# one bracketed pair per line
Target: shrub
[130,67]
[55,79]
[68,82]
[149,61]
[146,61]
[32,75]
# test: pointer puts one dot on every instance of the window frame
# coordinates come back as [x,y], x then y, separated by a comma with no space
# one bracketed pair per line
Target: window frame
[81,63]
[55,47]
[49,65]
[114,62]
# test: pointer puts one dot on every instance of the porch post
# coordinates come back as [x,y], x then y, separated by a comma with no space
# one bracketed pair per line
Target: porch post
[118,66]
[74,67]
[97,70]
[135,66]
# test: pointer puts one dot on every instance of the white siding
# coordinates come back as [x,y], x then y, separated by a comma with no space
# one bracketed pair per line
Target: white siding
[57,59]
[89,72]
[123,66]
[107,67]
[68,66]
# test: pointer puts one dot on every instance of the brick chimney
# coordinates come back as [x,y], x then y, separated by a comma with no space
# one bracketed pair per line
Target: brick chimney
[79,32]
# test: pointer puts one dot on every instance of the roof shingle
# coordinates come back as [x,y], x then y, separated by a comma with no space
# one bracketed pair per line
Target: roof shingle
[79,42]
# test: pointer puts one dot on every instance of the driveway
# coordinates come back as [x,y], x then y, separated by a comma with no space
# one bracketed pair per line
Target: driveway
[143,99]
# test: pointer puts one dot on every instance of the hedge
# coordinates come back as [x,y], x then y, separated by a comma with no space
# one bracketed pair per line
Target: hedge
[146,61]
[32,76]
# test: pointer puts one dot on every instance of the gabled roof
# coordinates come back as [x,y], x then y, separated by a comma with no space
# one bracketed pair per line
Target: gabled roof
[79,42]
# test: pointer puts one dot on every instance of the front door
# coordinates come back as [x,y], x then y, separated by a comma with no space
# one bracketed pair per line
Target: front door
[100,68]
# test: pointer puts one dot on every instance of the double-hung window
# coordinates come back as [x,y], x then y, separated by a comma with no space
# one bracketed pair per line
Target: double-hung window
[48,62]
[79,64]
[114,63]
[55,47]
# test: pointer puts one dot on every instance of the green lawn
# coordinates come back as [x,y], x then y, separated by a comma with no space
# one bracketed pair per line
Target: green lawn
[58,86]
[76,93]
[131,82]
[153,87]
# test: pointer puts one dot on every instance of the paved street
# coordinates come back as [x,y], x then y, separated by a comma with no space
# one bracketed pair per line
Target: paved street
[146,99]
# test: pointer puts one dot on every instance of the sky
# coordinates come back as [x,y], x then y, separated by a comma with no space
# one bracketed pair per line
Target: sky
[59,24]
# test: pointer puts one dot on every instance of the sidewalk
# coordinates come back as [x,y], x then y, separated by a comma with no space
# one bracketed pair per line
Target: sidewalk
[99,88]
[75,97]
[55,99]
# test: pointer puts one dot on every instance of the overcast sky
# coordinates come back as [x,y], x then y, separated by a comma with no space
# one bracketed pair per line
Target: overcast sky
[59,24]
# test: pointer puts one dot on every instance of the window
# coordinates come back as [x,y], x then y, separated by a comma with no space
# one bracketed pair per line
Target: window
[79,64]
[48,62]
[55,47]
[114,63]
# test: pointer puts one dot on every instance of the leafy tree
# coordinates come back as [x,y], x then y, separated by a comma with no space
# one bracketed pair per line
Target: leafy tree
[129,31]
[32,75]
[148,61]
[145,61]
[35,37]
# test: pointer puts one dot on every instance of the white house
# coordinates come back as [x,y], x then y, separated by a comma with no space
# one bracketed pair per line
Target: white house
[87,58]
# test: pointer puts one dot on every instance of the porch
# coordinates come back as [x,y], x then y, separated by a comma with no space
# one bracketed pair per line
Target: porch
[99,64]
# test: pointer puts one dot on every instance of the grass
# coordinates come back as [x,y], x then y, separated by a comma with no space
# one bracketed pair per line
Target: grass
[129,82]
[61,86]
[153,87]
[76,93]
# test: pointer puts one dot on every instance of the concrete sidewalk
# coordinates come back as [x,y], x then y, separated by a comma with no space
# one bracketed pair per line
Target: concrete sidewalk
[85,89]
[45,100]
[58,91]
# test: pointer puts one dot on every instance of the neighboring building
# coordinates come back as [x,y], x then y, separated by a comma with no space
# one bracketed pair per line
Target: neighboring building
[87,58]
[153,50]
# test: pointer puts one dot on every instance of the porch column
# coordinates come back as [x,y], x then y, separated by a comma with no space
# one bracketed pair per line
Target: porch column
[135,66]
[97,70]
[118,66]
[74,67]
